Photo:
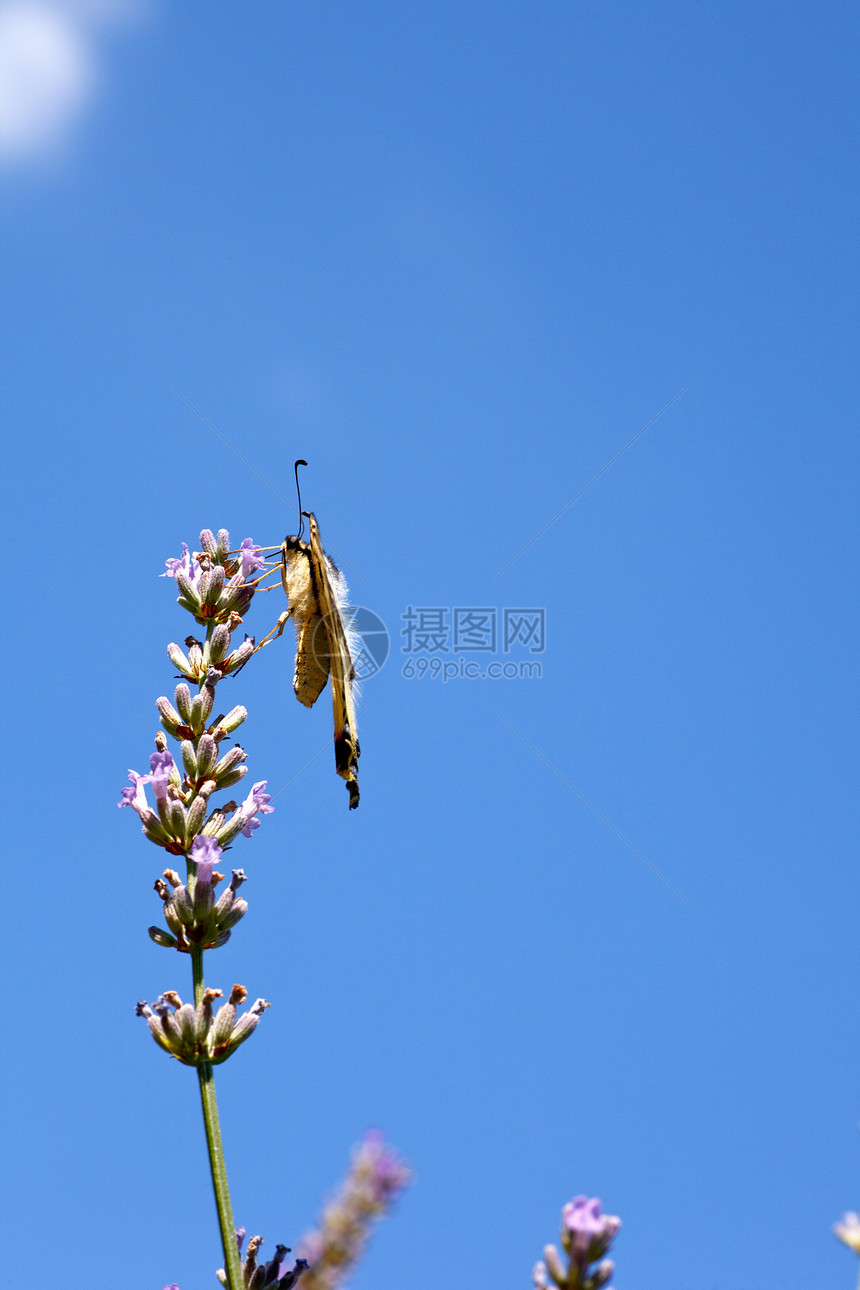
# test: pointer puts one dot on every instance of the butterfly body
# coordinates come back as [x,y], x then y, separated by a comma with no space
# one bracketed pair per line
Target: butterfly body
[318,599]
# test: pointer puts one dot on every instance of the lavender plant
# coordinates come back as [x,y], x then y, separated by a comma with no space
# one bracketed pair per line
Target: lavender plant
[216,586]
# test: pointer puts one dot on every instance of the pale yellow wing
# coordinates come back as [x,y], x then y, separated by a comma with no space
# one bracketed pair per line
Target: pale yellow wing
[329,587]
[312,651]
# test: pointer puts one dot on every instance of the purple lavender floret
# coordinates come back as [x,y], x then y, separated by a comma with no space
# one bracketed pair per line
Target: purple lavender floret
[161,764]
[205,850]
[187,565]
[135,795]
[258,800]
[252,560]
[244,819]
[588,1227]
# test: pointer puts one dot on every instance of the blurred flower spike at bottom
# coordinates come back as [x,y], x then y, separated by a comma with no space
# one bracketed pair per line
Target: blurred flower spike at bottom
[848,1231]
[586,1235]
[375,1180]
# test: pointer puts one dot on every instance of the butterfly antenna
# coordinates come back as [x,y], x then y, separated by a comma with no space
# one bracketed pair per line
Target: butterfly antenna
[300,462]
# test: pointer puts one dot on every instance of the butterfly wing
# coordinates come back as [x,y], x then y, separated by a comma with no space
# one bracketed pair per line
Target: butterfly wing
[312,653]
[317,595]
[331,593]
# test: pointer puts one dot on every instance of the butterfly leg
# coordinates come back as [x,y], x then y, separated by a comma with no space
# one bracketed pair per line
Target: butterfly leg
[276,631]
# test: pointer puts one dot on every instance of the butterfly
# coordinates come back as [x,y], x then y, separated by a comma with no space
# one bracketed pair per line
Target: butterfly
[318,600]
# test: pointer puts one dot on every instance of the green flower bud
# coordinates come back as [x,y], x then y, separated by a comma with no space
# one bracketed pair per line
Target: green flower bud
[222,1028]
[211,587]
[183,906]
[233,778]
[180,662]
[170,718]
[178,819]
[174,922]
[195,655]
[161,937]
[196,818]
[203,901]
[554,1265]
[207,756]
[238,910]
[219,643]
[183,702]
[189,760]
[186,1019]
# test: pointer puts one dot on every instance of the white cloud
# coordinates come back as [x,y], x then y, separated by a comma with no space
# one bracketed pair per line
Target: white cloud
[49,69]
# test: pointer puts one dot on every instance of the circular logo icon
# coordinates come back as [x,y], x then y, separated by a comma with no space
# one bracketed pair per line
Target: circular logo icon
[370,641]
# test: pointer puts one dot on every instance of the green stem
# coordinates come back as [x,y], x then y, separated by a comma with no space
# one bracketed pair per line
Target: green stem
[232,1265]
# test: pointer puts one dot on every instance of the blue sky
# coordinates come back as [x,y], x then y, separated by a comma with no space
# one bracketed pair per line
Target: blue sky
[457,256]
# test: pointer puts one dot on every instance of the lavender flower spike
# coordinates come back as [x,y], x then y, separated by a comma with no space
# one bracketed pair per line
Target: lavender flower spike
[375,1180]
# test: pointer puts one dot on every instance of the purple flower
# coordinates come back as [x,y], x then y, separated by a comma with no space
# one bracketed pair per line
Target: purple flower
[188,566]
[254,805]
[160,766]
[252,560]
[136,795]
[588,1231]
[582,1216]
[244,819]
[206,852]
